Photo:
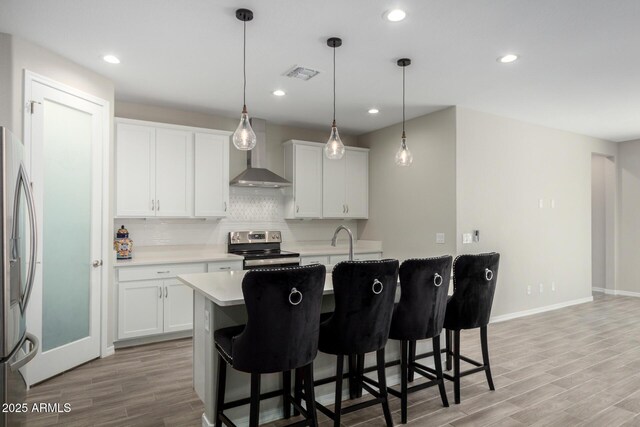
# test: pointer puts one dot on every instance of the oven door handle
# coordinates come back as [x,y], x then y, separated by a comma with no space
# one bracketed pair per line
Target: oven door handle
[272,261]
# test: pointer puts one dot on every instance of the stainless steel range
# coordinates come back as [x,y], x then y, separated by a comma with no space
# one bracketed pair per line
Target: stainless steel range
[261,249]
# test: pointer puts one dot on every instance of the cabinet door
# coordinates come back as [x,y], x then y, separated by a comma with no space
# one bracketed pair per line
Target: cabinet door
[333,187]
[211,175]
[308,181]
[135,174]
[178,306]
[140,308]
[174,173]
[357,184]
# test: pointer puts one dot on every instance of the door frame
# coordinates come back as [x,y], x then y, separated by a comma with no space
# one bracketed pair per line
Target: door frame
[106,348]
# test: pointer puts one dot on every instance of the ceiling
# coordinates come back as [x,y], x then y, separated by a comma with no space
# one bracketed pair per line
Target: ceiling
[579,67]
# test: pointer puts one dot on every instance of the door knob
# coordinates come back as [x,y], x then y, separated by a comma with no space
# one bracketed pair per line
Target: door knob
[97,263]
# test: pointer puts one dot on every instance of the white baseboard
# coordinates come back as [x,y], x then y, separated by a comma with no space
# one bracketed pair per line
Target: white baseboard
[597,289]
[205,421]
[622,293]
[109,351]
[538,310]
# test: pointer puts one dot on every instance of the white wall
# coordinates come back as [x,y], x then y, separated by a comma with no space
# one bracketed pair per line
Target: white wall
[629,217]
[6,118]
[409,205]
[504,167]
[598,222]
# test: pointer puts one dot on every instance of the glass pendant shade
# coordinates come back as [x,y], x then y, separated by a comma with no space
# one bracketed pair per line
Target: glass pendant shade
[244,138]
[334,148]
[404,156]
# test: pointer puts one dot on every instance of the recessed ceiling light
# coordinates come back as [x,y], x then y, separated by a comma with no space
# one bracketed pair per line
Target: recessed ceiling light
[508,58]
[395,15]
[279,92]
[373,111]
[111,59]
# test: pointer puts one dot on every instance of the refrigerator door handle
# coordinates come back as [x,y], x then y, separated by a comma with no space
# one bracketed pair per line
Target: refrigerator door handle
[24,181]
[35,345]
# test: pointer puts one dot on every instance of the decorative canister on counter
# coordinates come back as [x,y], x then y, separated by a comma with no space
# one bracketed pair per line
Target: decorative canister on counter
[122,244]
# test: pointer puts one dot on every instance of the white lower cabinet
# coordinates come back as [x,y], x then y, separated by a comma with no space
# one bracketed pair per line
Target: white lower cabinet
[140,308]
[152,301]
[178,306]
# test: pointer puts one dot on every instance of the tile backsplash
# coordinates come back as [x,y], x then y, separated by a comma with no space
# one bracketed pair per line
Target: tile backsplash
[249,208]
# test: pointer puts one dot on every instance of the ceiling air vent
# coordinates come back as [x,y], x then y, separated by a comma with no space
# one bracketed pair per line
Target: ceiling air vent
[301,73]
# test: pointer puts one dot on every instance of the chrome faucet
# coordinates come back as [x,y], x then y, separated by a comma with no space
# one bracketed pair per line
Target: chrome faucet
[335,238]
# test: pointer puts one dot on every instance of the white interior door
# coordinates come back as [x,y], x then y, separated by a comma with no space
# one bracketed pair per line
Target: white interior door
[65,143]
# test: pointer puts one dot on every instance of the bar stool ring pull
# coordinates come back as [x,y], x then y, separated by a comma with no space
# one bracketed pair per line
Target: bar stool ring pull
[295,297]
[488,274]
[437,280]
[375,289]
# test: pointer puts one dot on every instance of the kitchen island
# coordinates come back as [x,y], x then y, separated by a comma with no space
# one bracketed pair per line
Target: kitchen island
[218,303]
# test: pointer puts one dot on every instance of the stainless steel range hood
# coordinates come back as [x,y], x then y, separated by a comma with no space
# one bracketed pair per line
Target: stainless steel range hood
[256,175]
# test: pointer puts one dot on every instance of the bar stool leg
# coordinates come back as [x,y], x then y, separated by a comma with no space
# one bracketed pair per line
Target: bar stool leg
[382,380]
[254,412]
[412,360]
[485,356]
[310,395]
[338,397]
[353,379]
[447,336]
[297,390]
[286,394]
[438,362]
[220,388]
[404,374]
[360,369]
[456,365]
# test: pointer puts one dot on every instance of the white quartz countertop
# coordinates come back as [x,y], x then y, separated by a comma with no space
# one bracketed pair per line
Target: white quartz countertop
[225,288]
[176,255]
[153,255]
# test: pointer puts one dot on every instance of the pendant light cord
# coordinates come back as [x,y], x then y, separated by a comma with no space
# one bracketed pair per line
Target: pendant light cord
[403,100]
[334,86]
[244,64]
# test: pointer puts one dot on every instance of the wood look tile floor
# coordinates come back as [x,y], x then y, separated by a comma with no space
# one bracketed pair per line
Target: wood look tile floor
[577,366]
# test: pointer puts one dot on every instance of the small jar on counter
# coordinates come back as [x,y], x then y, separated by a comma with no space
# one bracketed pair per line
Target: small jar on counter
[122,244]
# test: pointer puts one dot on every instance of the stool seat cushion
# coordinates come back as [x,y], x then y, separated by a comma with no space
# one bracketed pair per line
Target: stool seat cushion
[223,338]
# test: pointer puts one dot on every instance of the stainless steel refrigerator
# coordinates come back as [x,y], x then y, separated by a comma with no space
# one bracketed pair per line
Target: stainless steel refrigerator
[19,243]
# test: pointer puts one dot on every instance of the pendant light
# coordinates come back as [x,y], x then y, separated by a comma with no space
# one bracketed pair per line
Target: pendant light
[403,156]
[334,149]
[244,138]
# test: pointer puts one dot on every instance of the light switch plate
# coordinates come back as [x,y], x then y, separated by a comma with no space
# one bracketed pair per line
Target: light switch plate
[541,203]
[541,288]
[439,237]
[466,238]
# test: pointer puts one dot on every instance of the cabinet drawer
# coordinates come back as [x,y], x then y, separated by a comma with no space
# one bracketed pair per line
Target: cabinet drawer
[212,267]
[162,271]
[310,260]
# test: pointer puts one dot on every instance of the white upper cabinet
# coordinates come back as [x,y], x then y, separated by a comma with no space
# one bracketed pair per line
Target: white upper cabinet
[135,170]
[303,167]
[357,183]
[211,175]
[170,171]
[345,185]
[174,173]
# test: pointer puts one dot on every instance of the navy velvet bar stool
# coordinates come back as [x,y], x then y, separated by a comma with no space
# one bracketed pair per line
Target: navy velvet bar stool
[474,285]
[424,285]
[281,334]
[364,295]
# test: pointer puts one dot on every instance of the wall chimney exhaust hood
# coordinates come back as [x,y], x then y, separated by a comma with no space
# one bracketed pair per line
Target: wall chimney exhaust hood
[256,175]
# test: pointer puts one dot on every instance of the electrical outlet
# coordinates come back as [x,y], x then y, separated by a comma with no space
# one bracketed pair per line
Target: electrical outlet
[529,290]
[553,286]
[439,237]
[466,238]
[541,288]
[541,203]
[553,203]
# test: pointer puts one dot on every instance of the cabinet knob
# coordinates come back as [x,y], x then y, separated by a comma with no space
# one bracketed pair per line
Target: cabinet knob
[166,292]
[160,292]
[297,208]
[153,205]
[347,208]
[158,204]
[224,268]
[225,206]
